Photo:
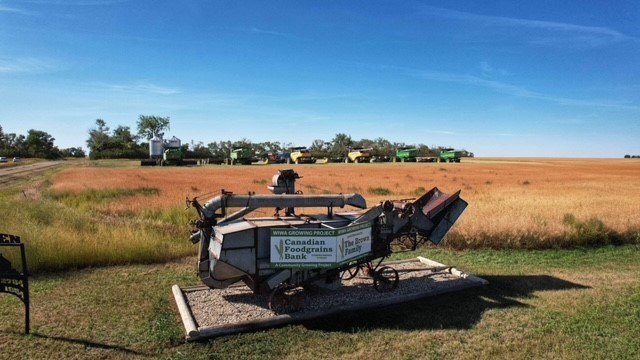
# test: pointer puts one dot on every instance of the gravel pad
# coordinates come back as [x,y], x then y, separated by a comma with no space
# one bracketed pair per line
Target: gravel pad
[235,309]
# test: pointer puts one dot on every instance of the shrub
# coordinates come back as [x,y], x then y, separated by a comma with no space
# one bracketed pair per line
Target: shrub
[378,191]
[590,232]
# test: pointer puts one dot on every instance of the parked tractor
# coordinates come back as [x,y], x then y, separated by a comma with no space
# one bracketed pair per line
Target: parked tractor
[289,252]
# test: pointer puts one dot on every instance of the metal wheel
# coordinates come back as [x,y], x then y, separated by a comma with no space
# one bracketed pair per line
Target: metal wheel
[385,279]
[285,299]
[350,273]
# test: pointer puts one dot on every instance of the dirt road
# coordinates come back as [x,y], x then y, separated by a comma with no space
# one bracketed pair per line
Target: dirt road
[9,175]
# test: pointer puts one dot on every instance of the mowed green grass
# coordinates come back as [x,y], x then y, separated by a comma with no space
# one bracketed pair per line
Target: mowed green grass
[569,304]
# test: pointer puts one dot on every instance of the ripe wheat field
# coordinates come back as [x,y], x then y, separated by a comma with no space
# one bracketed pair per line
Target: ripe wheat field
[513,203]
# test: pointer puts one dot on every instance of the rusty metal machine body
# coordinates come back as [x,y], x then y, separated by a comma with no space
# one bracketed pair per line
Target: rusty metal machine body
[291,250]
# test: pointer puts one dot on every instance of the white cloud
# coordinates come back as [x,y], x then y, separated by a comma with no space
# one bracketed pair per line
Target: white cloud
[27,65]
[142,87]
[255,30]
[518,91]
[486,68]
[76,2]
[4,8]
[548,33]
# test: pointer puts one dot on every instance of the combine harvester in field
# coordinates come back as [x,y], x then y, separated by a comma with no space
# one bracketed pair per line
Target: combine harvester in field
[450,155]
[358,155]
[287,251]
[410,154]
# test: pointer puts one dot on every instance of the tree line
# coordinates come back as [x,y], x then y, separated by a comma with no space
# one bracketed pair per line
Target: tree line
[36,144]
[122,143]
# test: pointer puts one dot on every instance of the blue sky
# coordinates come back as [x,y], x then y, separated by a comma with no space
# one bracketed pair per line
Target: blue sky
[534,78]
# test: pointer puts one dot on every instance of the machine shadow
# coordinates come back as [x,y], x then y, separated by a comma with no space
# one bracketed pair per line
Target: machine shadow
[460,310]
[92,344]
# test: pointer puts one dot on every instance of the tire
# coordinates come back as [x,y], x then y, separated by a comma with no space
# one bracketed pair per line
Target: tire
[349,273]
[285,299]
[386,279]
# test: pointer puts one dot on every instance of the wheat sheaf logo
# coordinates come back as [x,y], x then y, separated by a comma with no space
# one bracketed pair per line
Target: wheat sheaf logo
[280,248]
[341,248]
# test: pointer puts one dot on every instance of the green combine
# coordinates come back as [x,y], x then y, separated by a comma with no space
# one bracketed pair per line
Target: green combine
[450,155]
[406,154]
[242,156]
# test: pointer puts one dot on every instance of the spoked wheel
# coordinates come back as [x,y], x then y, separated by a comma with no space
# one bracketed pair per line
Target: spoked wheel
[285,299]
[385,279]
[350,273]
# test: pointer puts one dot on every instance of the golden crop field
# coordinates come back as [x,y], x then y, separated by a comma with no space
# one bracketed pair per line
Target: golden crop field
[512,202]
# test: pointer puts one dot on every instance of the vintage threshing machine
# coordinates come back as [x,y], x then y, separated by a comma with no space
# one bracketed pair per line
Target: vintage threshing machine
[298,251]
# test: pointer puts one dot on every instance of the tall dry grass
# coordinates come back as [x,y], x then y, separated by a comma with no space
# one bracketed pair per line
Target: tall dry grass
[512,203]
[93,215]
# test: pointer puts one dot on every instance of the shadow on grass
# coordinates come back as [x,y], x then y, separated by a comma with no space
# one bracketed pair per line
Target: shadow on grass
[91,344]
[459,310]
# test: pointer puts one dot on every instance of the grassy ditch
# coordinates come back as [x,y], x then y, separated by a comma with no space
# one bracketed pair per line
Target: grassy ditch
[72,230]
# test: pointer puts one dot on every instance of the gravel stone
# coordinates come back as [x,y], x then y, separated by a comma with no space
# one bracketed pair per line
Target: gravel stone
[220,307]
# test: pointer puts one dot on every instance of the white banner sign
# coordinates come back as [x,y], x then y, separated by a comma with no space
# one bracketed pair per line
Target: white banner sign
[315,248]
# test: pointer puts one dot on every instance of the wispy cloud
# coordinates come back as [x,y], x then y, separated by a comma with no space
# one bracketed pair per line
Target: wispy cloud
[259,31]
[142,88]
[518,91]
[497,86]
[487,70]
[548,33]
[76,2]
[4,8]
[28,65]
[14,10]
[268,32]
[440,132]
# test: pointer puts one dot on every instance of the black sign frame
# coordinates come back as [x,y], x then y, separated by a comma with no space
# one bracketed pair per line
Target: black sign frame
[12,281]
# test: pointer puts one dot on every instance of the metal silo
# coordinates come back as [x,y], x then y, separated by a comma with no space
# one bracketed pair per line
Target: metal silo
[155,148]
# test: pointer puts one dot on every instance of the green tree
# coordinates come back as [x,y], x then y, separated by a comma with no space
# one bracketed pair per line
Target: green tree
[383,147]
[73,152]
[151,126]
[3,143]
[16,144]
[98,139]
[123,138]
[341,144]
[39,144]
[320,148]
